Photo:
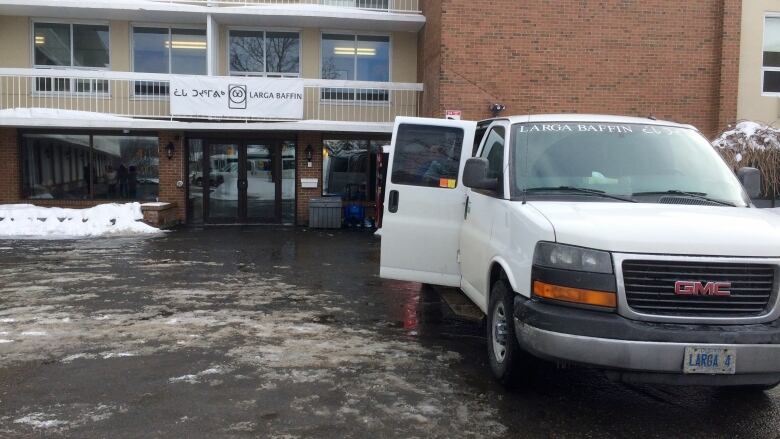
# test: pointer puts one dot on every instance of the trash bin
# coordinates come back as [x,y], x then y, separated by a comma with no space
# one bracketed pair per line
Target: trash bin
[325,213]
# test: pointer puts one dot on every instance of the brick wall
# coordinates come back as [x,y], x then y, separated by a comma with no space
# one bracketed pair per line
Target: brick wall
[729,63]
[429,58]
[302,195]
[173,170]
[10,178]
[661,58]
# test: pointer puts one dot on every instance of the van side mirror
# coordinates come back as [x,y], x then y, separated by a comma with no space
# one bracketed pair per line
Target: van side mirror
[475,175]
[751,181]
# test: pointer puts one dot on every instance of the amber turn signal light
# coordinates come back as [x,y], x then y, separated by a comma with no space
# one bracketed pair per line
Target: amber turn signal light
[575,295]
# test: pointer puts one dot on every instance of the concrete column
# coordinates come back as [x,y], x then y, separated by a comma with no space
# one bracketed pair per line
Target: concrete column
[212,41]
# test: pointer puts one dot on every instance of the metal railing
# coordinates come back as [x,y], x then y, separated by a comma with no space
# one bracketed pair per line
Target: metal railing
[396,6]
[142,95]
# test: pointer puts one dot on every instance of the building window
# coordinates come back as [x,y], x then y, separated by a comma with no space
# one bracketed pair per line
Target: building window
[771,65]
[427,156]
[349,168]
[260,53]
[363,4]
[355,58]
[71,45]
[167,50]
[82,166]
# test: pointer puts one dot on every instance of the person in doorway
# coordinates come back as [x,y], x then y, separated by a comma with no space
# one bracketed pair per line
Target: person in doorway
[111,180]
[132,182]
[122,178]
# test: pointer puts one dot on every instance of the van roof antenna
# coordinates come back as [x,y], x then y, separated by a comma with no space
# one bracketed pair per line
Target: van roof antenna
[651,117]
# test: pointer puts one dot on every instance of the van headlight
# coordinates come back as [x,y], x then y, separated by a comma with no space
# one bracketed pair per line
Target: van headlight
[574,275]
[568,257]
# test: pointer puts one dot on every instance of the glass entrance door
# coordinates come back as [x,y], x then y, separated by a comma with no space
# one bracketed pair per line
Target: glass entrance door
[223,185]
[248,182]
[262,172]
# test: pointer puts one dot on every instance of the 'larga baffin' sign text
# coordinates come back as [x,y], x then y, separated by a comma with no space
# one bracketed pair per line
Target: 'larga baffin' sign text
[266,98]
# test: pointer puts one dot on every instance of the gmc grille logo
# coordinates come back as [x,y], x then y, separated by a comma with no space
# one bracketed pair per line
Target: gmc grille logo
[689,288]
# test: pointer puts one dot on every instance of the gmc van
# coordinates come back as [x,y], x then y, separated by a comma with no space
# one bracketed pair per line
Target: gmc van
[624,244]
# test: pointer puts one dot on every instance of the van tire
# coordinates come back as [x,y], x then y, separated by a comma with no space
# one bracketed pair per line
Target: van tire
[509,363]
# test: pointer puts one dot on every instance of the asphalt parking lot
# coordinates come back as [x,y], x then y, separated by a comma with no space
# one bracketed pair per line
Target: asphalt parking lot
[279,332]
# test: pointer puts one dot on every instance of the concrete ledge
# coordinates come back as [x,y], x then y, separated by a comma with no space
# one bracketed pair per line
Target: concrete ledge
[161,215]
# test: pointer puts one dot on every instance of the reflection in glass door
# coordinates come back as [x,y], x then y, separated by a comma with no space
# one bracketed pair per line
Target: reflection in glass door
[241,182]
[288,182]
[223,182]
[195,181]
[261,176]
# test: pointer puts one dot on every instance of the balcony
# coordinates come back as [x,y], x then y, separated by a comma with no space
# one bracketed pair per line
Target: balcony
[395,6]
[355,15]
[146,96]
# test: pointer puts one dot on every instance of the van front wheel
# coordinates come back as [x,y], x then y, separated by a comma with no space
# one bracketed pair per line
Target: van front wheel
[507,360]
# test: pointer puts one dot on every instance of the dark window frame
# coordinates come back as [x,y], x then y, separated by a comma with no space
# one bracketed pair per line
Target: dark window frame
[368,140]
[265,73]
[769,70]
[460,132]
[500,192]
[20,140]
[348,95]
[54,86]
[159,89]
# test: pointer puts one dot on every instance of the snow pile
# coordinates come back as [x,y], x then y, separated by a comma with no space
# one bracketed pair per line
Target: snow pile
[747,137]
[754,145]
[26,220]
[51,113]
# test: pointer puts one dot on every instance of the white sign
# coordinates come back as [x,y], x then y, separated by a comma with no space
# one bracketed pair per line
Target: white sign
[453,114]
[271,98]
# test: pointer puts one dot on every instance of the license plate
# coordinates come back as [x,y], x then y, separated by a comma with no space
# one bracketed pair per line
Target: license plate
[712,361]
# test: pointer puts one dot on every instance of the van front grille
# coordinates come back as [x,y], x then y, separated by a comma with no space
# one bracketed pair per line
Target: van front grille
[650,288]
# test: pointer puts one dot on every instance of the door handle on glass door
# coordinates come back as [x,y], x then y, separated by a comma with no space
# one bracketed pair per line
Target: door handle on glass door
[393,206]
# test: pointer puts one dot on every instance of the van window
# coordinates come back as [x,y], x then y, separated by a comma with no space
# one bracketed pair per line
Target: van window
[494,153]
[478,136]
[427,156]
[629,160]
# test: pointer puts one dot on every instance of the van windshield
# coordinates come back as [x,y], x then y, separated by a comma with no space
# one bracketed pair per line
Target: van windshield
[630,162]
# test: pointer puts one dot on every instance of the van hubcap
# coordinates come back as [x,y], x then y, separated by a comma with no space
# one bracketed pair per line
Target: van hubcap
[499,332]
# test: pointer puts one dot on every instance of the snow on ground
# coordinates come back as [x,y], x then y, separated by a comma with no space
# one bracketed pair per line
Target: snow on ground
[260,332]
[26,220]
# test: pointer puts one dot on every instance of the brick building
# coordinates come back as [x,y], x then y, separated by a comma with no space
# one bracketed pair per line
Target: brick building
[91,89]
[670,59]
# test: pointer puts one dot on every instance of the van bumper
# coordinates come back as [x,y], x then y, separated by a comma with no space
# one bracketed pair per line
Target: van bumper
[644,352]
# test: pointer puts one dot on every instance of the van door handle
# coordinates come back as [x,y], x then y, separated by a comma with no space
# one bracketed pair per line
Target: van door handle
[393,207]
[466,212]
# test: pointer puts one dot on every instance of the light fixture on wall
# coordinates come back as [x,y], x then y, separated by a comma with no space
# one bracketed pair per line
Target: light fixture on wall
[169,150]
[496,109]
[309,155]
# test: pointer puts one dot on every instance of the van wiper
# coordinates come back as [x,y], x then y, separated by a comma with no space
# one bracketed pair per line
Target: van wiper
[581,190]
[697,195]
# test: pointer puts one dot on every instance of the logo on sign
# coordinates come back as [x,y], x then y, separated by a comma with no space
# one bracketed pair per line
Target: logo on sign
[237,96]
[689,288]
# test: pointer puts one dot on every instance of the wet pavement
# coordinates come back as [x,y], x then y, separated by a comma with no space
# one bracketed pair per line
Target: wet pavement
[278,332]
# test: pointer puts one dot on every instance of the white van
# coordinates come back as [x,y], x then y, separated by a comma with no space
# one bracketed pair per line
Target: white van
[624,244]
